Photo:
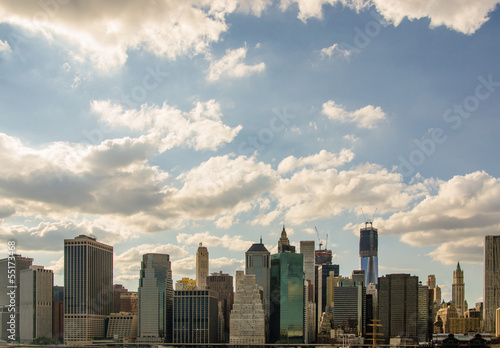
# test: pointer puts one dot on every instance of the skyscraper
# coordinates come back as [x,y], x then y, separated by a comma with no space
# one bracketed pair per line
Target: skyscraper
[284,243]
[287,298]
[368,253]
[222,284]
[156,294]
[36,303]
[196,316]
[398,305]
[88,288]
[247,317]
[324,271]
[201,267]
[458,291]
[21,263]
[258,262]
[491,297]
[307,249]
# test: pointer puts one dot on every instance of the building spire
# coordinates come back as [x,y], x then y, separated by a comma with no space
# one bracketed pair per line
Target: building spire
[261,239]
[458,266]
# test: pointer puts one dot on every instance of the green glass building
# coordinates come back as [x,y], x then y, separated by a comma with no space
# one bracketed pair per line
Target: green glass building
[287,298]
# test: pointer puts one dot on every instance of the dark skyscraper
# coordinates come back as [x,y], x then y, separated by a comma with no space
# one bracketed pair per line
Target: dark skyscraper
[222,284]
[258,262]
[368,253]
[491,296]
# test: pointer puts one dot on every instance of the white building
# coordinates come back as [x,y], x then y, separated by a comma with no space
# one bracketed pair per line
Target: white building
[247,320]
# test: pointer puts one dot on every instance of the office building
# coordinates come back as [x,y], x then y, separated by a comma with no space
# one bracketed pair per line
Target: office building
[358,276]
[58,313]
[129,302]
[349,307]
[398,306]
[247,319]
[88,288]
[196,316]
[491,296]
[258,263]
[309,313]
[185,284]
[458,291]
[424,320]
[447,312]
[323,273]
[36,303]
[156,295]
[287,298]
[462,326]
[20,263]
[222,284]
[117,290]
[201,267]
[307,249]
[431,281]
[121,325]
[284,243]
[368,253]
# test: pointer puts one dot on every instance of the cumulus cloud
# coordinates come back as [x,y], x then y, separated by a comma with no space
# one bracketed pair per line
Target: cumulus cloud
[366,117]
[234,243]
[231,66]
[455,219]
[5,47]
[167,127]
[322,160]
[334,51]
[460,15]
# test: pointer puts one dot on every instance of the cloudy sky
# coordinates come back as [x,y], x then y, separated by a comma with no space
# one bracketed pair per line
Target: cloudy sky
[158,125]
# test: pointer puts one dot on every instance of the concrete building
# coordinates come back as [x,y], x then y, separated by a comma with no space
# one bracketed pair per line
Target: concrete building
[398,306]
[324,271]
[11,304]
[462,326]
[424,320]
[458,291]
[129,302]
[287,298]
[368,253]
[309,313]
[117,290]
[156,296]
[447,312]
[349,307]
[88,288]
[201,267]
[358,276]
[195,316]
[222,284]
[121,325]
[36,303]
[491,297]
[247,319]
[185,284]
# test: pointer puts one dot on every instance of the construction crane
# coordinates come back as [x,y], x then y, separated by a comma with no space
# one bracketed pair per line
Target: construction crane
[319,239]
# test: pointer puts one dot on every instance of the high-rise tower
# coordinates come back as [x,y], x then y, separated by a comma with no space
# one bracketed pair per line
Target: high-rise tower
[458,291]
[258,262]
[284,243]
[491,296]
[368,253]
[88,288]
[156,298]
[201,267]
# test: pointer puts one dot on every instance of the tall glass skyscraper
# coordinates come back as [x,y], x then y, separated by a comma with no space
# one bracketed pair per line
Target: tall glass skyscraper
[368,253]
[156,298]
[257,262]
[287,298]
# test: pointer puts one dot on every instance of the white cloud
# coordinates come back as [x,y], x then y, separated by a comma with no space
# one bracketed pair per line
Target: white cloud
[231,65]
[455,219]
[5,47]
[167,127]
[334,51]
[234,243]
[322,160]
[461,15]
[366,117]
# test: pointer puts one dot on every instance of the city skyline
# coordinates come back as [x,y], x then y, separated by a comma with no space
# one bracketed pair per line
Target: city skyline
[156,127]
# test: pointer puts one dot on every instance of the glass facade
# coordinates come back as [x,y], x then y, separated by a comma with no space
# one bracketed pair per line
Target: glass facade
[368,253]
[287,299]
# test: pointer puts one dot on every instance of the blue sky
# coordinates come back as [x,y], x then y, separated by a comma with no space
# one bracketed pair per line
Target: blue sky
[156,126]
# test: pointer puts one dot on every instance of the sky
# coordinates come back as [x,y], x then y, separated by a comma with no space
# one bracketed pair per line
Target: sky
[157,125]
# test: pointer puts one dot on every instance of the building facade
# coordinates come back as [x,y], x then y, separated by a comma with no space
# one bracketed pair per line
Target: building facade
[156,296]
[58,312]
[368,253]
[491,296]
[349,307]
[185,284]
[36,303]
[88,288]
[121,325]
[201,267]
[458,291]
[398,306]
[222,284]
[287,298]
[323,272]
[195,316]
[247,319]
